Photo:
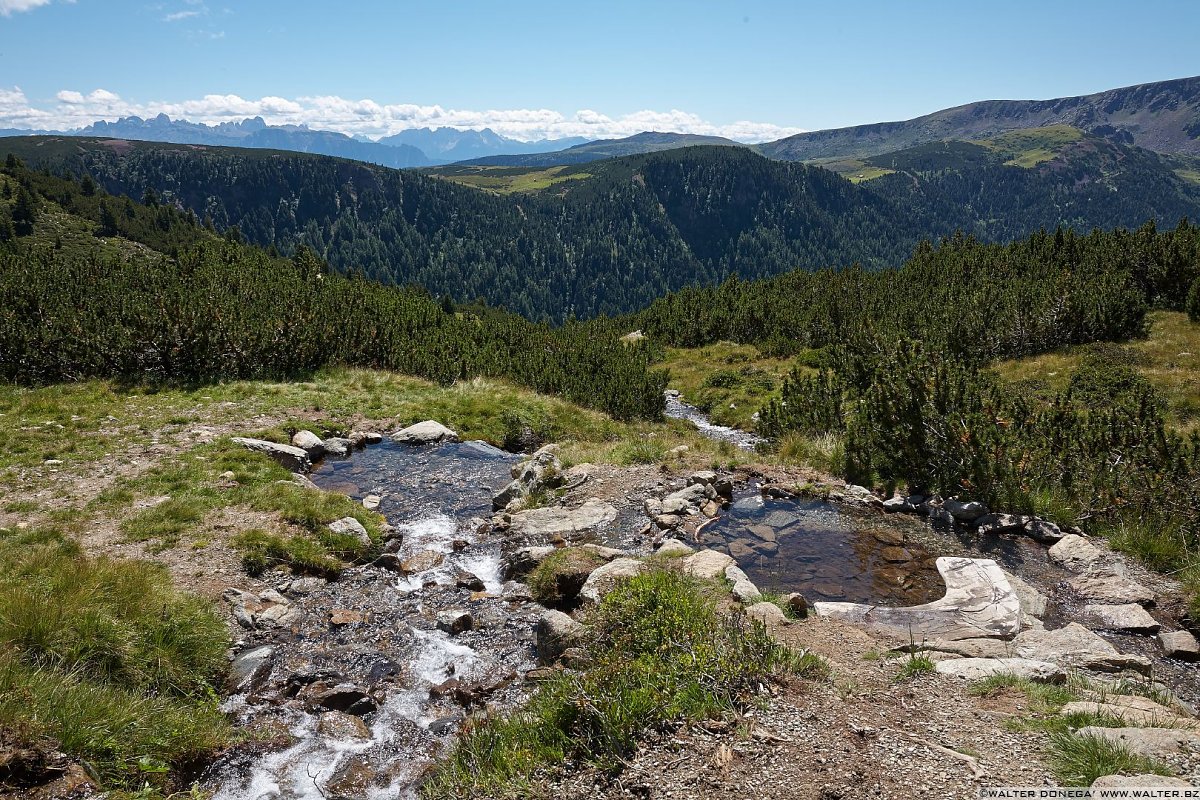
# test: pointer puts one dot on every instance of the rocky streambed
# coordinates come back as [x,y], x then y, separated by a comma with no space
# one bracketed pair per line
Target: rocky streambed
[357,686]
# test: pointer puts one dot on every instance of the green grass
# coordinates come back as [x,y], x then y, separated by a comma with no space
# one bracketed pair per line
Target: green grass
[508,180]
[916,665]
[853,169]
[1080,760]
[728,381]
[107,660]
[659,652]
[262,550]
[1032,146]
[553,581]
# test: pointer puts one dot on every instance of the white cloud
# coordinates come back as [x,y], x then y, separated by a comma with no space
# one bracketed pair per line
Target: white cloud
[367,117]
[10,7]
[178,15]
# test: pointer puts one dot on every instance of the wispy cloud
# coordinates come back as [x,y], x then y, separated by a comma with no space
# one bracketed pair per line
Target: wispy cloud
[10,7]
[178,15]
[367,117]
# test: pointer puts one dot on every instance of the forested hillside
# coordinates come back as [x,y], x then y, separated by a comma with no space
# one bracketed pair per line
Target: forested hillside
[615,238]
[98,286]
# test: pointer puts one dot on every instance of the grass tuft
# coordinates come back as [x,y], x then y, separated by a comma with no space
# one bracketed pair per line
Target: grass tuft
[1079,760]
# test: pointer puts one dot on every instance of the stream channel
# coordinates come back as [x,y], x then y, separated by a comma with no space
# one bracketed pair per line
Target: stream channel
[373,636]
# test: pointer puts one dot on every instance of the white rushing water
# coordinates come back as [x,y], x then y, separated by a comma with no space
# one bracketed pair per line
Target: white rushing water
[677,409]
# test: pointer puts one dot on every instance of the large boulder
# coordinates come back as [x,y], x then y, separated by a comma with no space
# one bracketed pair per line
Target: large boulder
[287,456]
[1074,645]
[979,602]
[427,432]
[605,578]
[555,633]
[349,526]
[310,443]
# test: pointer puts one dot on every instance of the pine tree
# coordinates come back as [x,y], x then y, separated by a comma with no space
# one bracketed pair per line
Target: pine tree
[25,212]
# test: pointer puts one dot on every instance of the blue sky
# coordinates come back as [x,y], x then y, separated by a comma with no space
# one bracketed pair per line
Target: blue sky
[751,70]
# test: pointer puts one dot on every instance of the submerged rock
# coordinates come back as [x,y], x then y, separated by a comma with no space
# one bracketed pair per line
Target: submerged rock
[979,602]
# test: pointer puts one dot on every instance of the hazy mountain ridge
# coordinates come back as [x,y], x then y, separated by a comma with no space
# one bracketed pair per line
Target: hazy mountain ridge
[645,142]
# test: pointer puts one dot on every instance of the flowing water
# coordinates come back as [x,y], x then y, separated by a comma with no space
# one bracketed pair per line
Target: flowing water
[677,409]
[436,497]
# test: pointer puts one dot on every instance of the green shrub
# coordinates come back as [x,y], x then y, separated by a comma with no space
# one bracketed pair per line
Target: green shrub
[639,451]
[1193,301]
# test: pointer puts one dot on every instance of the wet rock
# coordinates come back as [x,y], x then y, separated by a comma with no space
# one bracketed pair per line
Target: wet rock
[1074,645]
[383,669]
[965,511]
[979,668]
[389,561]
[1138,782]
[888,537]
[363,438]
[444,726]
[652,507]
[997,524]
[540,471]
[306,586]
[1108,587]
[604,579]
[764,532]
[1137,711]
[285,455]
[345,697]
[342,727]
[796,605]
[707,564]
[469,580]
[518,562]
[250,669]
[371,502]
[1124,617]
[979,601]
[349,526]
[340,617]
[767,614]
[1181,645]
[673,548]
[895,555]
[668,522]
[351,780]
[1033,602]
[723,486]
[1152,742]
[1075,553]
[544,523]
[711,509]
[516,592]
[454,621]
[310,443]
[427,432]
[743,589]
[422,561]
[556,632]
[741,549]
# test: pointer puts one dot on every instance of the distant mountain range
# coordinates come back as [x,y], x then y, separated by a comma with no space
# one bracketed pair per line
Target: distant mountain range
[419,147]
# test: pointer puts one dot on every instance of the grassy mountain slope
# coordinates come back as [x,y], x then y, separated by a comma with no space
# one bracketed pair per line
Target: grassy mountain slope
[646,142]
[1163,116]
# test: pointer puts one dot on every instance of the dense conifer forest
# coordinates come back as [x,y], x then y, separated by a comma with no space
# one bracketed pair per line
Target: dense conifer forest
[623,232]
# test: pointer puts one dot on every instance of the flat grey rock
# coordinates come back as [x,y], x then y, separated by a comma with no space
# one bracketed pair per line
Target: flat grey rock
[285,455]
[551,521]
[1153,742]
[707,564]
[1123,617]
[1033,602]
[1108,587]
[1137,711]
[1075,553]
[979,603]
[1074,645]
[427,432]
[767,614]
[979,668]
[1139,782]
